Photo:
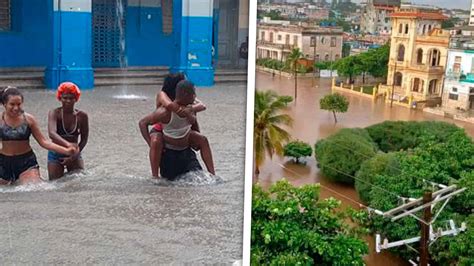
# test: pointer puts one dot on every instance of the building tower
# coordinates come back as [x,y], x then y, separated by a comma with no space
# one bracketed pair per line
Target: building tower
[418,53]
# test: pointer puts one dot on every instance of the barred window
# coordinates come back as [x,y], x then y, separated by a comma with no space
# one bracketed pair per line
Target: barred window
[453,96]
[5,16]
[167,17]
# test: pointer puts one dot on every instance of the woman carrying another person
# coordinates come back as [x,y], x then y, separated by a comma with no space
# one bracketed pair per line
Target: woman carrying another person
[17,160]
[177,126]
[165,98]
[65,125]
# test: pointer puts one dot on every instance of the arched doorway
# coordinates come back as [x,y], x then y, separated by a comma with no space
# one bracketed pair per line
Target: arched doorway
[398,79]
[433,86]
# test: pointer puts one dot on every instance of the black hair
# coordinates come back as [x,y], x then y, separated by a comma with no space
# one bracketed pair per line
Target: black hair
[170,82]
[185,87]
[9,91]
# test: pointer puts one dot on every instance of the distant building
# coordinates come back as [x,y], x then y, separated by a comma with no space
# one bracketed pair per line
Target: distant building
[376,16]
[471,18]
[320,43]
[418,53]
[458,91]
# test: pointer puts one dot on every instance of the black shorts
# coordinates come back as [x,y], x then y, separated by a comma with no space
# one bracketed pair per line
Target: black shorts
[11,167]
[175,163]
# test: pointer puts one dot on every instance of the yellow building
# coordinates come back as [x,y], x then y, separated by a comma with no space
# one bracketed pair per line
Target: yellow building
[418,53]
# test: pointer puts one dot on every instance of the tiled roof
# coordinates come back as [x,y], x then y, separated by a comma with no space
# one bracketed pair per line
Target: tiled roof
[421,15]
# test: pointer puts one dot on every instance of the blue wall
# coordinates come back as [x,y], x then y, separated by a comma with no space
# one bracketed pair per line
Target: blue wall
[29,43]
[146,44]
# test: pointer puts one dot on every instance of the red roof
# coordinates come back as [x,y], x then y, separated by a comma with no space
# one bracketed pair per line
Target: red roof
[421,15]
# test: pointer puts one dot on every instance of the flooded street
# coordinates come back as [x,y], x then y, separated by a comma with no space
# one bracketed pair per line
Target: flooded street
[114,213]
[311,124]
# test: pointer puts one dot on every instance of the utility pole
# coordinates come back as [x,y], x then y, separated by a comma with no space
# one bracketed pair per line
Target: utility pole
[393,84]
[428,233]
[425,230]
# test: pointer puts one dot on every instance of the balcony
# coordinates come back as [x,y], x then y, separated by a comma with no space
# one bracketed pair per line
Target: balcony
[285,47]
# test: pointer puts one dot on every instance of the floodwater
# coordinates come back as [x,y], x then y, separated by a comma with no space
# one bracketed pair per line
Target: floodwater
[311,124]
[114,213]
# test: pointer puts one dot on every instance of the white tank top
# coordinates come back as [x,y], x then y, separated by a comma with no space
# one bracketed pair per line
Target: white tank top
[177,128]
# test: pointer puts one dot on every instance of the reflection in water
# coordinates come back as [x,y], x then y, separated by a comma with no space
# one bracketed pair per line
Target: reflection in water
[311,124]
[114,213]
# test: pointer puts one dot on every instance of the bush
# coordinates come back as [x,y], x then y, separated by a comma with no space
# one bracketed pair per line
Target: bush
[340,155]
[297,149]
[403,135]
[380,164]
[291,226]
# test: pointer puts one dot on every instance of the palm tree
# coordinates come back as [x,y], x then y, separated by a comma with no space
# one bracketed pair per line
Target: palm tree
[268,134]
[292,64]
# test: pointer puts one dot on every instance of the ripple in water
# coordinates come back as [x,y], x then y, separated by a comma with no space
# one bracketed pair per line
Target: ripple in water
[196,178]
[130,97]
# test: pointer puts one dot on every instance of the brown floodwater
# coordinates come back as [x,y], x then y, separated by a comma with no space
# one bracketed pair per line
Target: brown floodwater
[311,124]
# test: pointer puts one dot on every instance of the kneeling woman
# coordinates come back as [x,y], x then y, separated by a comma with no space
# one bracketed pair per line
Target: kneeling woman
[17,160]
[65,125]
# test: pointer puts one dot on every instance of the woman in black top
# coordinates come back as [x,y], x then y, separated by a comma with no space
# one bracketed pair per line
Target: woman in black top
[17,160]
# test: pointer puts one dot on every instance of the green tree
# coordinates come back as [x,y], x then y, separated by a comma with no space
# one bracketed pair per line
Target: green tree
[269,135]
[291,226]
[346,50]
[340,156]
[297,149]
[348,67]
[292,65]
[335,103]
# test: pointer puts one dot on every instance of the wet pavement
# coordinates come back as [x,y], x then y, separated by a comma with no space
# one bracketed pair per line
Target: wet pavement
[311,124]
[114,213]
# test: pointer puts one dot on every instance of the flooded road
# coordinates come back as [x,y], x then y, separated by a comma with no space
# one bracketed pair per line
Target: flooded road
[114,213]
[311,124]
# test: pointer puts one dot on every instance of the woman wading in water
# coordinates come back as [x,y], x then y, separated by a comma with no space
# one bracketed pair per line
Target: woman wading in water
[65,125]
[17,160]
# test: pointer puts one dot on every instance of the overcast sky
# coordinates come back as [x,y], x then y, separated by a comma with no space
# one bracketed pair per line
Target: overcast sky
[461,4]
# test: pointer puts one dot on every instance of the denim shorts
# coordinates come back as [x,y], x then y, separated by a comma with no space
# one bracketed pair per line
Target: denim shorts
[54,157]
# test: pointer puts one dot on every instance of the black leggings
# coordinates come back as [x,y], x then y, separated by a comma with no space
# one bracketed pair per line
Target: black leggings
[11,167]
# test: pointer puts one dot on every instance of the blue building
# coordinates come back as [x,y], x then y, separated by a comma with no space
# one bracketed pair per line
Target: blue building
[71,38]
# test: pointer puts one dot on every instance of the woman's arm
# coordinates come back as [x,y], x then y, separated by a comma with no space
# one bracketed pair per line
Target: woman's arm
[198,106]
[45,143]
[52,130]
[84,126]
[166,102]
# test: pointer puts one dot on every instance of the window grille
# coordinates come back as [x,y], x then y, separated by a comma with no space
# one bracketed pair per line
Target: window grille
[5,15]
[167,16]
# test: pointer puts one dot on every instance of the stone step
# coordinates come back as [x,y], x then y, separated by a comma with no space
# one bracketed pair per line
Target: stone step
[10,70]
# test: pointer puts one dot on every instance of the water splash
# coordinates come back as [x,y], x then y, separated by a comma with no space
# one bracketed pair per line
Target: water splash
[195,178]
[32,187]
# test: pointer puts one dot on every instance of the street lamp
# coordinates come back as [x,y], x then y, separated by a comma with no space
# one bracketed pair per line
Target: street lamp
[314,55]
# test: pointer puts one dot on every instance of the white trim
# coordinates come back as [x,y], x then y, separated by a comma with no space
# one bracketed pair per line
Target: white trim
[249,130]
[73,5]
[197,8]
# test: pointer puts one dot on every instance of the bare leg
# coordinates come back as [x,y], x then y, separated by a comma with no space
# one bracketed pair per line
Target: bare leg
[55,171]
[201,142]
[156,149]
[75,165]
[30,176]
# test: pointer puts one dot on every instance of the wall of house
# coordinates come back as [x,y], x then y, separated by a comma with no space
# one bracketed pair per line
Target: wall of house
[29,42]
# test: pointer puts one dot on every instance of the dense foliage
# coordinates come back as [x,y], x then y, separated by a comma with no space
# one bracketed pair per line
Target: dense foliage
[269,134]
[402,135]
[341,155]
[297,149]
[335,103]
[413,153]
[290,226]
[373,62]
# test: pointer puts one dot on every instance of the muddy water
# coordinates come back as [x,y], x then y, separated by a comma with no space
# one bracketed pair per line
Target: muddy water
[114,213]
[311,124]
